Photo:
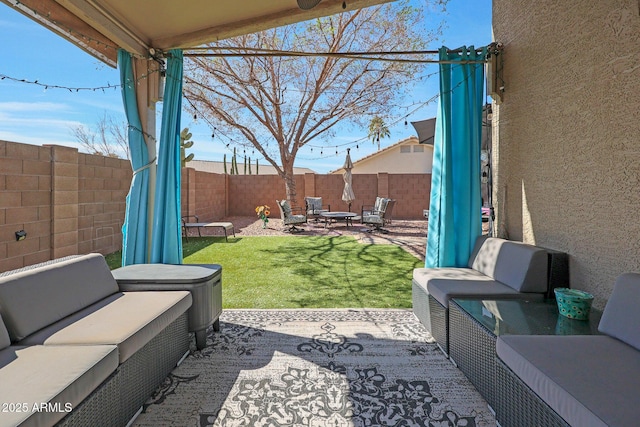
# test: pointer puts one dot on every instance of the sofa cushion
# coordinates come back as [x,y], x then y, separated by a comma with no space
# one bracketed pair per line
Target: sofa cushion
[126,319]
[588,380]
[446,283]
[621,317]
[5,341]
[443,290]
[61,375]
[518,265]
[33,299]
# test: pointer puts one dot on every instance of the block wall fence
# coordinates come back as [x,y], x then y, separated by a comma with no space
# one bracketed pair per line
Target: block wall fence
[214,196]
[68,203]
[73,203]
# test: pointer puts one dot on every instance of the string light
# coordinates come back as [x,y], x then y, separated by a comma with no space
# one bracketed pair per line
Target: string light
[71,89]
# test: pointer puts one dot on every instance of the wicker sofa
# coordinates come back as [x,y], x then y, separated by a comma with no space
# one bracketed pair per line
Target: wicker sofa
[74,350]
[497,268]
[586,380]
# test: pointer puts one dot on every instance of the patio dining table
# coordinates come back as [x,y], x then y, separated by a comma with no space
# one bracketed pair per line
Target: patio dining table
[346,216]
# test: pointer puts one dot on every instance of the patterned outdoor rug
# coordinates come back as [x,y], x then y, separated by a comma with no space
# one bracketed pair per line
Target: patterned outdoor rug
[317,368]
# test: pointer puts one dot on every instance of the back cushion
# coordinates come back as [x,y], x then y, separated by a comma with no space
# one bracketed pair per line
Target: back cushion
[621,317]
[5,341]
[33,299]
[286,207]
[518,265]
[314,203]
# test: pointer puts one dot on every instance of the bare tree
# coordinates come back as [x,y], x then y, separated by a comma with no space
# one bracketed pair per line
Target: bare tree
[107,137]
[277,104]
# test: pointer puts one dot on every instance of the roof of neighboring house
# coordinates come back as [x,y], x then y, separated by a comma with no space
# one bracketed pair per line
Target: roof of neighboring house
[410,140]
[218,167]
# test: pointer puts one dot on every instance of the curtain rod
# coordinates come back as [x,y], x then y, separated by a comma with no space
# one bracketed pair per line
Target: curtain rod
[376,56]
[333,55]
[259,50]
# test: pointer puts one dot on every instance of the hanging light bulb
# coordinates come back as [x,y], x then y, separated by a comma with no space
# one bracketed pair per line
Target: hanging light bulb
[405,122]
[195,117]
[344,4]
[213,135]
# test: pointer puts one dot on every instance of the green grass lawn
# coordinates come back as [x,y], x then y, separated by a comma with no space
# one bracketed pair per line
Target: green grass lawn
[305,272]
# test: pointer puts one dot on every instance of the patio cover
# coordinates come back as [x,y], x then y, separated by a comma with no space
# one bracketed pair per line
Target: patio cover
[101,27]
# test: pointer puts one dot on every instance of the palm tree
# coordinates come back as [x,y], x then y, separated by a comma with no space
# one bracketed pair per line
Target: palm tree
[378,129]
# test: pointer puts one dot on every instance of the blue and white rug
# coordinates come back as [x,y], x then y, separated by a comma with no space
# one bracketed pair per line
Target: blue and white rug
[317,368]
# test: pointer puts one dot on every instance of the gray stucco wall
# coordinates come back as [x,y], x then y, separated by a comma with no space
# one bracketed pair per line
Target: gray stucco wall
[567,135]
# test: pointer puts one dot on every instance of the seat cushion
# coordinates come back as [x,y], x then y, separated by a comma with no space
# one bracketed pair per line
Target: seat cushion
[62,375]
[372,219]
[295,219]
[621,317]
[33,299]
[126,319]
[446,283]
[588,380]
[518,265]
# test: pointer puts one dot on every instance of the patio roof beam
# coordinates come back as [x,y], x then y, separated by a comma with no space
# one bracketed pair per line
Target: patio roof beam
[107,22]
[61,21]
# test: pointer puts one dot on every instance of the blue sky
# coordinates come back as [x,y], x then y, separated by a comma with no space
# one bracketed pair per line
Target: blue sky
[33,114]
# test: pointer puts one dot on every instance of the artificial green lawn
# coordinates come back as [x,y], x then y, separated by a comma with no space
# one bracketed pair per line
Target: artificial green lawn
[305,271]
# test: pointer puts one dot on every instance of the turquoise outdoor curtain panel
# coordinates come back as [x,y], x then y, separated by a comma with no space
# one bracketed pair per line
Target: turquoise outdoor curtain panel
[166,238]
[134,229]
[455,210]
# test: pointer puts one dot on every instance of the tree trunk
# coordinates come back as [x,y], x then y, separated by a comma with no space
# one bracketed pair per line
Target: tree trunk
[290,183]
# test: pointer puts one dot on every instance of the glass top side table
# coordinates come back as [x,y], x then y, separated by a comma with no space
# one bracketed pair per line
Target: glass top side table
[474,326]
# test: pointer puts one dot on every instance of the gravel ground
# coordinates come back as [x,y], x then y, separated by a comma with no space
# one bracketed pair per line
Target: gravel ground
[410,235]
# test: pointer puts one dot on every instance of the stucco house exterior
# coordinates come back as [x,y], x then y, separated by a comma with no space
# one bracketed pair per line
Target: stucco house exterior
[566,147]
[406,156]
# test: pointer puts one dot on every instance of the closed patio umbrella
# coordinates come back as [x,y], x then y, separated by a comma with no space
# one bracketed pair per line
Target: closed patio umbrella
[347,192]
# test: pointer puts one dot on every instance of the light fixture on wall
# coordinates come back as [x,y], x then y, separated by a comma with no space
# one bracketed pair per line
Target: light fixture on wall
[495,82]
[21,235]
[307,4]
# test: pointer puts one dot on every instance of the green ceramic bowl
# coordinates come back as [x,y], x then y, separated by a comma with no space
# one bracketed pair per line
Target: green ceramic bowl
[573,303]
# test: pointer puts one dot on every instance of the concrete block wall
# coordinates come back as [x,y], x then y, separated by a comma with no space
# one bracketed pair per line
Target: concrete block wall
[412,194]
[68,203]
[103,184]
[248,191]
[204,193]
[210,195]
[25,204]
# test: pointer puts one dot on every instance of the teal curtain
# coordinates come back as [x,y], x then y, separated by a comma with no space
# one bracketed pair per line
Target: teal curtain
[134,229]
[455,209]
[167,239]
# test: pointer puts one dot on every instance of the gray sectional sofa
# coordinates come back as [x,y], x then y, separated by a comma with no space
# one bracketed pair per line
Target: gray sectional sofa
[497,269]
[586,380]
[75,350]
